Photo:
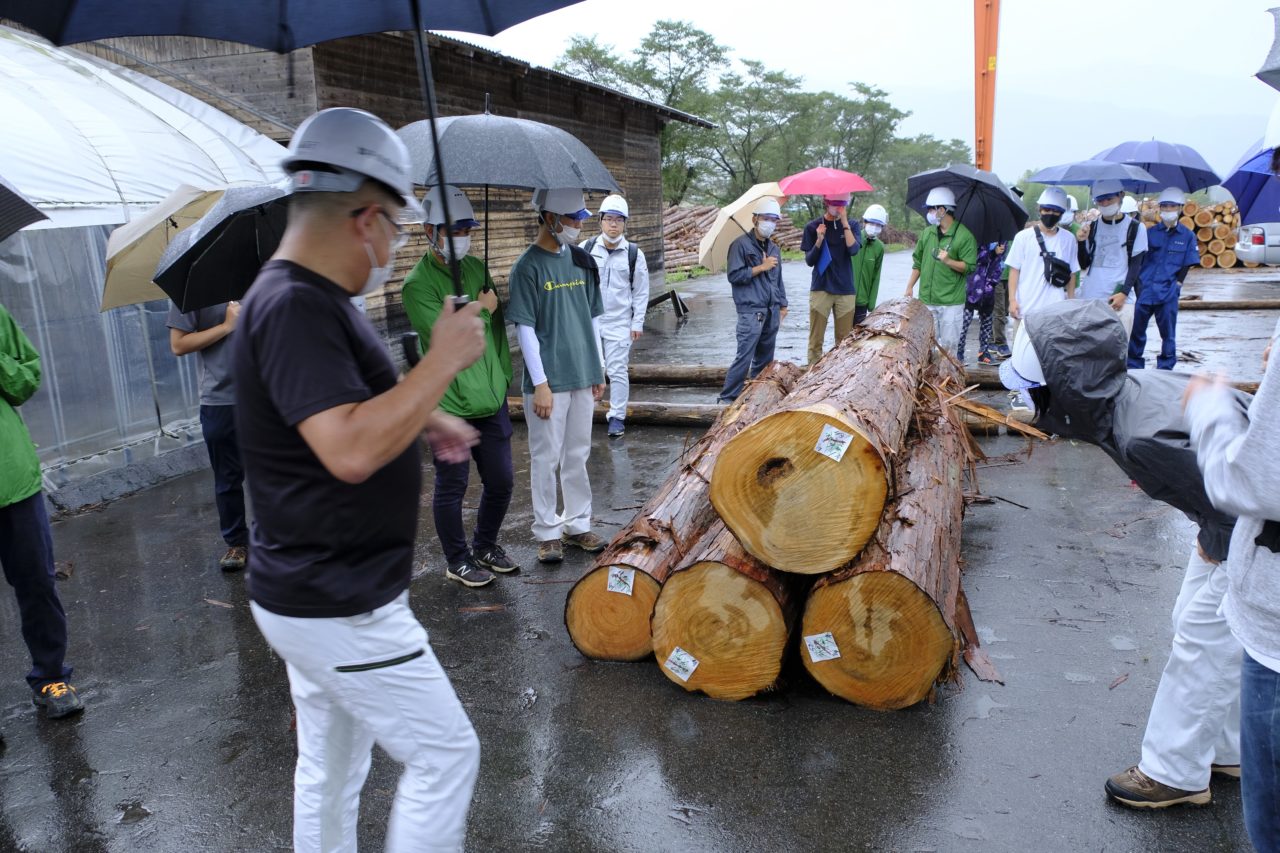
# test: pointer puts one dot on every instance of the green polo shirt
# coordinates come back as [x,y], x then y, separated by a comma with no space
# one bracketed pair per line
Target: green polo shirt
[939,283]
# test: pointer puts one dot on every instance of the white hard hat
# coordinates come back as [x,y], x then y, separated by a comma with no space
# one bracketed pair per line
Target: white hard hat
[940,197]
[615,204]
[1054,197]
[1106,188]
[877,214]
[349,146]
[459,208]
[1172,195]
[1129,205]
[1074,205]
[1022,369]
[566,202]
[767,206]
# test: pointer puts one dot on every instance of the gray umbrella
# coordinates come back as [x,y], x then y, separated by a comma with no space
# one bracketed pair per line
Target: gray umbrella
[217,258]
[16,212]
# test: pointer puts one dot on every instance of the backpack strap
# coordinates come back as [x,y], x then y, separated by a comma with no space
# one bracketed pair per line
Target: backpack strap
[591,245]
[633,252]
[1131,237]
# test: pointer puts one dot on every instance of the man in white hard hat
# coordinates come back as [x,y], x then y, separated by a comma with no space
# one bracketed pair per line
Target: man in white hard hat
[829,243]
[1042,260]
[945,255]
[1172,251]
[478,394]
[1110,251]
[754,267]
[869,260]
[624,288]
[1069,218]
[1129,207]
[329,439]
[556,307]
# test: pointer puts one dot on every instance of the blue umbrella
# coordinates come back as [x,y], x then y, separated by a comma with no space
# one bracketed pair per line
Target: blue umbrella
[1173,165]
[1254,187]
[1086,173]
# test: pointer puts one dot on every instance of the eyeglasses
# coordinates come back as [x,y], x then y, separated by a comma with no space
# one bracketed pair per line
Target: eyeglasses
[613,219]
[401,236]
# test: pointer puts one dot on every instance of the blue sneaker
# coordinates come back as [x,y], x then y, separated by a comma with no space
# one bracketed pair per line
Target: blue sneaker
[616,427]
[1002,351]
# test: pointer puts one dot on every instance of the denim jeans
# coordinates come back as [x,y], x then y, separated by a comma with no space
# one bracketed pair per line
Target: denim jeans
[757,331]
[1260,753]
[26,554]
[493,460]
[218,423]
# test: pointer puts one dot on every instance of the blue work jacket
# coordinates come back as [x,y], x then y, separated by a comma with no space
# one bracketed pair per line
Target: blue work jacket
[1169,252]
[755,292]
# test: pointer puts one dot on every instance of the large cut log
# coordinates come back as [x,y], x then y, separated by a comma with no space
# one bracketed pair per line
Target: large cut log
[677,374]
[723,620]
[803,488]
[1229,304]
[608,610]
[654,414]
[881,631]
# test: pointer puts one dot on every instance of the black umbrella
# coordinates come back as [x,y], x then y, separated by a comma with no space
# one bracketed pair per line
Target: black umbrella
[16,212]
[983,203]
[215,259]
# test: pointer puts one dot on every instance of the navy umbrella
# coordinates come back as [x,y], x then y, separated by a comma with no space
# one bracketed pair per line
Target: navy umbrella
[1255,187]
[1171,164]
[1086,173]
[16,212]
[984,204]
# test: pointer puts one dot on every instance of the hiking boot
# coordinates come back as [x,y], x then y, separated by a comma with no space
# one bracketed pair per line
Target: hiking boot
[588,541]
[58,699]
[495,559]
[1137,790]
[549,551]
[616,427]
[468,573]
[235,559]
[1226,771]
[987,357]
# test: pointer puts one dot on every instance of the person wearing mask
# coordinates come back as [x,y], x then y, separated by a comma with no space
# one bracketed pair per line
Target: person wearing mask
[945,255]
[754,268]
[1069,220]
[869,261]
[478,394]
[624,289]
[329,436]
[1110,251]
[829,242]
[1171,252]
[1043,261]
[556,306]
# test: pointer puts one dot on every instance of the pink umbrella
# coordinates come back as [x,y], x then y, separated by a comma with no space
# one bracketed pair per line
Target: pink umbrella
[824,181]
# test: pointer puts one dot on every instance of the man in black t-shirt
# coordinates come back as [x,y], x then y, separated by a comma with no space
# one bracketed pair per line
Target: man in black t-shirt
[330,445]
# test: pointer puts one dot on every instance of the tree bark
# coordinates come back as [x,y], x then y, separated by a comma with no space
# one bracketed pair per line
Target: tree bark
[652,414]
[1230,304]
[608,610]
[799,510]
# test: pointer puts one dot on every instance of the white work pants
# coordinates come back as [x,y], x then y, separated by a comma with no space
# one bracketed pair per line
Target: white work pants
[1195,718]
[617,355]
[560,445]
[948,320]
[361,680]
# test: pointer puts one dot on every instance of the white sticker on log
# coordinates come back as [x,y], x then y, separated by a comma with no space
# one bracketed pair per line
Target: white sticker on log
[621,581]
[681,664]
[822,647]
[833,442]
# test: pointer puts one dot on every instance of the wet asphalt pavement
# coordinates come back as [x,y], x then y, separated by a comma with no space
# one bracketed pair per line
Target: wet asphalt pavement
[186,743]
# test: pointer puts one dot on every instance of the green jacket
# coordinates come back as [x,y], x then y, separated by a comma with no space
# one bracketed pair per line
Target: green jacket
[866,270]
[481,389]
[19,379]
[939,283]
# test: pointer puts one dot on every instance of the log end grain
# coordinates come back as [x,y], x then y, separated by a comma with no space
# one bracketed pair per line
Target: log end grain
[729,623]
[608,625]
[892,640]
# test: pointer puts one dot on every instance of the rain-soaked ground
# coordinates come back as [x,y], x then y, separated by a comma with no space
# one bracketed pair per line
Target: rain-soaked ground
[186,744]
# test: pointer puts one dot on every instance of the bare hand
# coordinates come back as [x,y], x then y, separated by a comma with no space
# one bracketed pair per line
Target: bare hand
[1083,233]
[542,401]
[769,263]
[1014,311]
[1116,300]
[1000,249]
[458,334]
[451,438]
[1266,355]
[233,315]
[1198,383]
[635,336]
[844,215]
[822,230]
[943,256]
[488,299]
[782,315]
[597,391]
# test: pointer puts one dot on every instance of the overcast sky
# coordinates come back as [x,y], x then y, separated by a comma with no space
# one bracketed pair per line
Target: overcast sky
[1073,77]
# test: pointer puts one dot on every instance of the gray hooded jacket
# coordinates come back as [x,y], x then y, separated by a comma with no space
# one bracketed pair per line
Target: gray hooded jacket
[1133,415]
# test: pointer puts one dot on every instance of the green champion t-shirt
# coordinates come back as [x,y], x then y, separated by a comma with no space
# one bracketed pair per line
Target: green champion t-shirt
[558,300]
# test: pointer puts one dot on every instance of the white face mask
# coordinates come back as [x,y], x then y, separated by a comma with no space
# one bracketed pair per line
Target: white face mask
[568,234]
[379,275]
[461,245]
[1169,216]
[765,227]
[1108,210]
[872,230]
[932,218]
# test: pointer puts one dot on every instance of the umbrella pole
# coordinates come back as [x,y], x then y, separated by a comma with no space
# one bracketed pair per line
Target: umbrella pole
[429,100]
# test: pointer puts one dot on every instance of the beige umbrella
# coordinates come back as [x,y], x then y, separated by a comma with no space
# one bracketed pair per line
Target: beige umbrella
[733,221]
[134,249]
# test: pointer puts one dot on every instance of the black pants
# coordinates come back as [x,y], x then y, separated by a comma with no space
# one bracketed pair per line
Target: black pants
[219,426]
[26,554]
[493,460]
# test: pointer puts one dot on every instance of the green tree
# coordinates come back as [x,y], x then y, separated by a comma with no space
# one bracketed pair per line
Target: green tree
[751,110]
[904,157]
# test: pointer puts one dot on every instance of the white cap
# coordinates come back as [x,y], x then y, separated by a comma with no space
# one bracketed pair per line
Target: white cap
[351,146]
[1104,188]
[1054,197]
[1129,205]
[877,214]
[1172,195]
[1022,369]
[767,206]
[565,202]
[615,204]
[940,197]
[464,216]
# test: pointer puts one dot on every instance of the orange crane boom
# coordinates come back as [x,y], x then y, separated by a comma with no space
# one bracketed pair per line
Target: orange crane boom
[986,32]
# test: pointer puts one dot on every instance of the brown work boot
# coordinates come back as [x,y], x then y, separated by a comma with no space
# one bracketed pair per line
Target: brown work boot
[549,551]
[1137,790]
[588,541]
[235,559]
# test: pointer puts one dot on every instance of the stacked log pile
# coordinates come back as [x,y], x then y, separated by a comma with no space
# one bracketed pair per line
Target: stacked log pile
[850,474]
[683,227]
[1214,226]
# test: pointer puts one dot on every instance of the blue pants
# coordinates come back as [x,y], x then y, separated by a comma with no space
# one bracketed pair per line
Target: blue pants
[493,460]
[757,332]
[26,554]
[1260,753]
[219,426]
[1166,314]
